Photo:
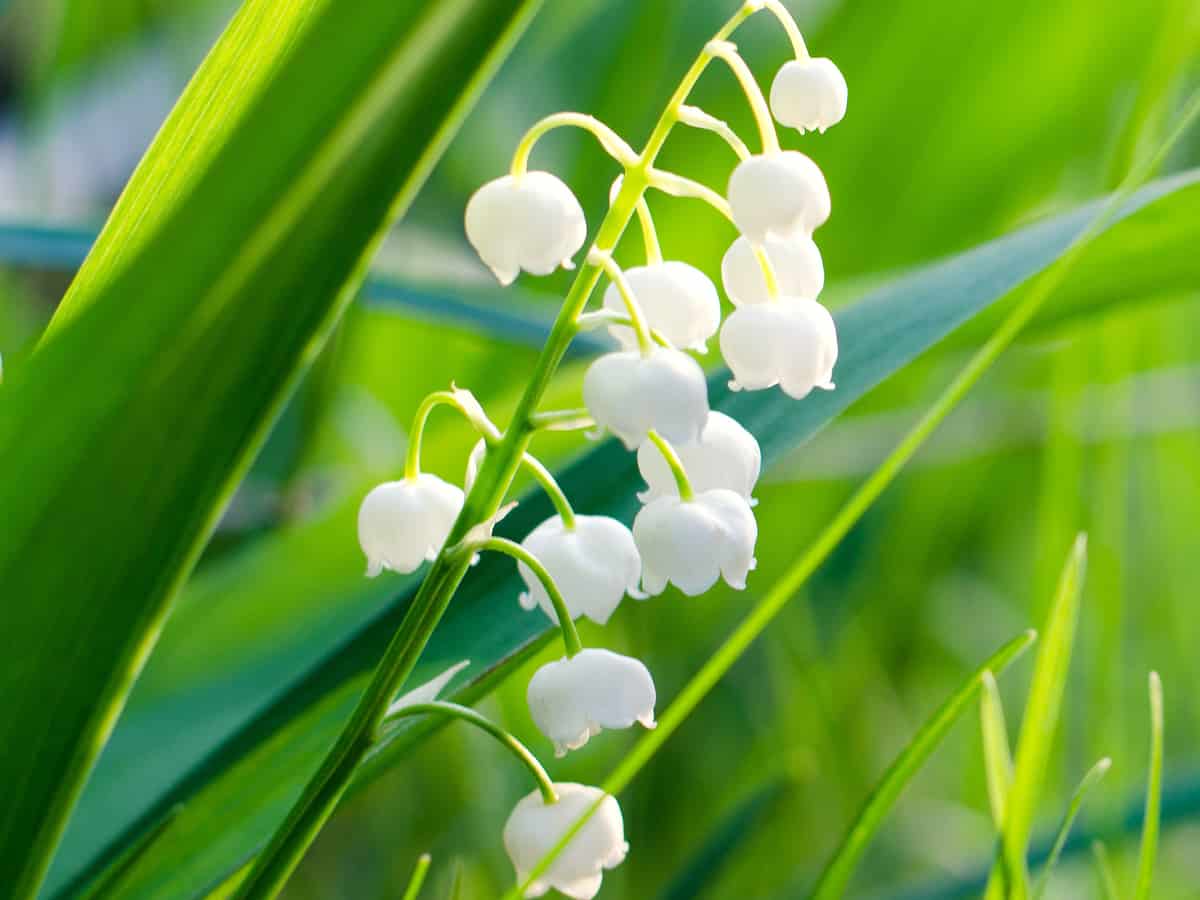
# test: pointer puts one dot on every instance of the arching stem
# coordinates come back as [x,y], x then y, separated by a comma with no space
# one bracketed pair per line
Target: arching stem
[461,400]
[614,145]
[681,479]
[649,233]
[602,318]
[566,624]
[562,420]
[636,316]
[552,488]
[780,12]
[695,117]
[727,52]
[470,716]
[768,270]
[682,186]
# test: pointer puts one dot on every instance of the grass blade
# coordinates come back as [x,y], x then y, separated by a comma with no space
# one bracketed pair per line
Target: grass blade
[1106,880]
[418,877]
[1094,774]
[836,876]
[997,757]
[1150,824]
[1038,726]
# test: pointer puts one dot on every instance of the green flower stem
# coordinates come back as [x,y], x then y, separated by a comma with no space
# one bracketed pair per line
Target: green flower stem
[728,54]
[780,12]
[412,460]
[602,318]
[768,270]
[681,186]
[466,714]
[566,624]
[614,145]
[327,785]
[681,479]
[562,420]
[695,117]
[561,504]
[649,233]
[637,318]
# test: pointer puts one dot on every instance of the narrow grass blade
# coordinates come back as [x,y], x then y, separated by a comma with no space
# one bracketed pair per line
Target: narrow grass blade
[837,873]
[418,877]
[1150,825]
[1039,725]
[1106,880]
[997,757]
[1095,773]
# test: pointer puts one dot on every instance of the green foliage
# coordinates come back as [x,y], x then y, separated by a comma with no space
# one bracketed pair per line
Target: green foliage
[237,238]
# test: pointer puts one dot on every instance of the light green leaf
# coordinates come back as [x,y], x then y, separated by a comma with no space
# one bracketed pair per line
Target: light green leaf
[1094,774]
[837,873]
[997,757]
[235,247]
[285,725]
[1038,726]
[1150,824]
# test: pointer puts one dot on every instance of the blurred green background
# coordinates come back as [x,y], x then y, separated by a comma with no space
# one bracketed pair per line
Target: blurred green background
[966,120]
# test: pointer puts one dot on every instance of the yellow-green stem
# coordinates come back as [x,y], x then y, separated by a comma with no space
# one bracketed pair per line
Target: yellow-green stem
[677,470]
[649,233]
[570,636]
[551,486]
[780,12]
[614,145]
[728,54]
[412,459]
[637,317]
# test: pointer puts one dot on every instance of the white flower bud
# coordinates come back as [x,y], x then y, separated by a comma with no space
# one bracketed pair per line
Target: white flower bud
[574,698]
[594,566]
[403,523]
[796,261]
[535,827]
[778,193]
[809,94]
[692,543]
[726,456]
[629,394]
[530,221]
[678,300]
[792,343]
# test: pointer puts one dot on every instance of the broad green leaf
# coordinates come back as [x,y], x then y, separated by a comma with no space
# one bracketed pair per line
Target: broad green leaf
[997,757]
[237,244]
[510,315]
[1148,851]
[1038,726]
[1094,774]
[284,725]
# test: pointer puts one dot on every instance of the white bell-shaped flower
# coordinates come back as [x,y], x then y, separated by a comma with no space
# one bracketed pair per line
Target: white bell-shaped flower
[594,566]
[692,543]
[629,394]
[535,827]
[576,697]
[792,343]
[725,456]
[530,221]
[796,262]
[809,94]
[780,193]
[403,523]
[678,300]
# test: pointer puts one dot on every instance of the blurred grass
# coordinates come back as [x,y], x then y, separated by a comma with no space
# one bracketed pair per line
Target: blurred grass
[965,119]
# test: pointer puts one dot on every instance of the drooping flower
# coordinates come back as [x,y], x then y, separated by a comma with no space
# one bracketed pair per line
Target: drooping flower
[678,300]
[629,394]
[782,193]
[535,827]
[530,221]
[796,262]
[725,456]
[809,94]
[574,698]
[693,543]
[594,566]
[792,343]
[403,523]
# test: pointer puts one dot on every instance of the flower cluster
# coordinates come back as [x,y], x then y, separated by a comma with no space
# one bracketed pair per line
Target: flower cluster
[696,525]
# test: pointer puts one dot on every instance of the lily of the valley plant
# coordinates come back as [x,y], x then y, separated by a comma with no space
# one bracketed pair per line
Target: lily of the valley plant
[696,526]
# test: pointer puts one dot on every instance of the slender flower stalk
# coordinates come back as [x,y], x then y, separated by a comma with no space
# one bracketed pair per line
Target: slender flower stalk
[486,725]
[550,485]
[637,317]
[695,117]
[465,403]
[668,452]
[649,233]
[614,145]
[727,53]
